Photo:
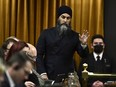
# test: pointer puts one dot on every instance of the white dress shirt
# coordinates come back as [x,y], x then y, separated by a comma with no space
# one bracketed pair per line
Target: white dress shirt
[11,82]
[95,55]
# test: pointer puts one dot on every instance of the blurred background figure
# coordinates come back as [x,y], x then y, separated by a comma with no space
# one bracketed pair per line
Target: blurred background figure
[2,69]
[16,47]
[13,37]
[18,68]
[98,84]
[31,52]
[6,46]
[33,79]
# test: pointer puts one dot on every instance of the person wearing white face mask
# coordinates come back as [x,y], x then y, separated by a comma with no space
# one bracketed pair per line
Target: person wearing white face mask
[98,61]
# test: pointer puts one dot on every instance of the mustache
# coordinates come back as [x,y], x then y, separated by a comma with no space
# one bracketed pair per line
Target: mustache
[63,26]
[63,29]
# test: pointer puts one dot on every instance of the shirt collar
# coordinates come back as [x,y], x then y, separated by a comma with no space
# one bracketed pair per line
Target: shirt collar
[11,82]
[95,55]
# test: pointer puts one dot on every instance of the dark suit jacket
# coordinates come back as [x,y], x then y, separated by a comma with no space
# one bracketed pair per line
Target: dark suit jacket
[33,78]
[6,83]
[55,53]
[105,67]
[1,53]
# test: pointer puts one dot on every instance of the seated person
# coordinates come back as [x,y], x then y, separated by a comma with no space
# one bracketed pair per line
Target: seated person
[2,69]
[31,53]
[18,68]
[33,79]
[6,46]
[16,47]
[98,84]
[98,61]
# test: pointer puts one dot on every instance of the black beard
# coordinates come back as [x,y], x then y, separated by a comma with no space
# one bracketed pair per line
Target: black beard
[63,29]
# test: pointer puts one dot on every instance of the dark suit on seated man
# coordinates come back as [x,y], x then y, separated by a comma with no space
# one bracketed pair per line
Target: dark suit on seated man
[18,68]
[98,61]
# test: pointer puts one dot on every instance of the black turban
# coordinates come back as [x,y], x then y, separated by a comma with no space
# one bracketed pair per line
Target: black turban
[64,9]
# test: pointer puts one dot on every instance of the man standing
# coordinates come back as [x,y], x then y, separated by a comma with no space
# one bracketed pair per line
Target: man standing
[56,47]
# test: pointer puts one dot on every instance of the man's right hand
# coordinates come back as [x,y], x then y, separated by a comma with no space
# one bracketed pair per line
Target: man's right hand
[29,84]
[44,76]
